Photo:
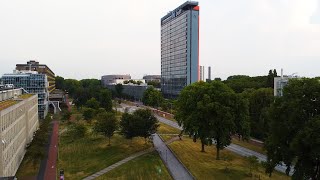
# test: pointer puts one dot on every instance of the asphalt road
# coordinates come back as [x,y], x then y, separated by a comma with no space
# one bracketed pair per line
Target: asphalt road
[232,147]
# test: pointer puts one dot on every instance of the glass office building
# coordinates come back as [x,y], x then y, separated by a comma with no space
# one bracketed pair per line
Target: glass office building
[179,48]
[33,83]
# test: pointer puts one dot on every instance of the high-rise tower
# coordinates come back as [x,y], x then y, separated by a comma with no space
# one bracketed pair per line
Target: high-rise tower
[180,48]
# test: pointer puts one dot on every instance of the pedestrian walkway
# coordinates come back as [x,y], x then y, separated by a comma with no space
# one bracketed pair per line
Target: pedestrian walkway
[103,171]
[176,168]
[50,171]
[233,147]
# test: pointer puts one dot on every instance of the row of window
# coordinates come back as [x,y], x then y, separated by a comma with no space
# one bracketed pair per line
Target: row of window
[14,154]
[174,20]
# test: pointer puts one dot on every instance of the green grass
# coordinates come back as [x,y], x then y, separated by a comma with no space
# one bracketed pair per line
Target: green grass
[205,166]
[27,168]
[250,146]
[165,129]
[91,154]
[149,167]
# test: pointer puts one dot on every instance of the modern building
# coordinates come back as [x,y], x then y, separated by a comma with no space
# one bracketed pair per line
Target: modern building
[149,78]
[31,82]
[18,122]
[281,82]
[180,48]
[41,69]
[111,79]
[134,90]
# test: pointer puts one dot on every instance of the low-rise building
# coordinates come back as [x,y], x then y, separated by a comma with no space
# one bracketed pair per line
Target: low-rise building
[280,83]
[112,79]
[149,78]
[134,90]
[18,122]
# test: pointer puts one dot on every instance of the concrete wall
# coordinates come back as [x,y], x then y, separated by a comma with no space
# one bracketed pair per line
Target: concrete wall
[17,126]
[8,94]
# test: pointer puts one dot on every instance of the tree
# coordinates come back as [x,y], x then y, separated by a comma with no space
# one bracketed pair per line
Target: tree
[217,79]
[139,82]
[206,111]
[271,76]
[152,97]
[240,83]
[253,163]
[155,84]
[105,99]
[106,125]
[307,147]
[146,123]
[259,102]
[93,103]
[88,113]
[127,126]
[59,82]
[119,89]
[294,129]
[242,119]
[141,123]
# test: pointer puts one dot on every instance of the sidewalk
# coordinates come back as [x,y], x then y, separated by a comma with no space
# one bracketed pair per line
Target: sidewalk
[51,165]
[176,168]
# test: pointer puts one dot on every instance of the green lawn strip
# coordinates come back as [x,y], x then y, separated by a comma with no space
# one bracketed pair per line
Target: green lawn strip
[28,168]
[165,129]
[250,146]
[166,137]
[205,166]
[149,167]
[91,154]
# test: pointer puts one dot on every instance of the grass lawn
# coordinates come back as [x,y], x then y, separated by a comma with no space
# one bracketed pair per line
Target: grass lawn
[27,169]
[91,154]
[165,129]
[248,145]
[147,167]
[204,165]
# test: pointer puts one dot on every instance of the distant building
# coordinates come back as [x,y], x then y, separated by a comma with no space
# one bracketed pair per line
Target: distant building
[18,122]
[149,78]
[202,71]
[112,79]
[41,69]
[209,73]
[31,82]
[180,48]
[133,90]
[281,82]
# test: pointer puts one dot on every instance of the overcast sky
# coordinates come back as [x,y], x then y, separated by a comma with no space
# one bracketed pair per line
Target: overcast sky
[90,38]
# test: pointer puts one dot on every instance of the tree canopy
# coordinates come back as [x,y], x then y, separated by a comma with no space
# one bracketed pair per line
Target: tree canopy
[141,123]
[294,129]
[106,124]
[208,110]
[152,97]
